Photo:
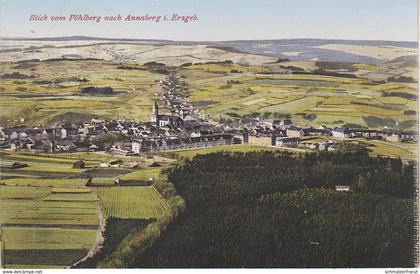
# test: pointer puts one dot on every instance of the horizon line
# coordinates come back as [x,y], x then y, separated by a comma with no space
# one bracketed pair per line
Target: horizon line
[211,41]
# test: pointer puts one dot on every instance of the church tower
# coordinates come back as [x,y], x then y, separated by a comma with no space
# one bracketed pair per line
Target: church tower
[155,113]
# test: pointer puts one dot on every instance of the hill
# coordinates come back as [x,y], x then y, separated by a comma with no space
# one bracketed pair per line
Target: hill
[356,51]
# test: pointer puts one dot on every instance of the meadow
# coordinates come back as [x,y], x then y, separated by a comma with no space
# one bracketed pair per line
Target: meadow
[190,153]
[43,228]
[53,166]
[47,208]
[144,176]
[52,93]
[406,151]
[132,202]
[309,99]
[50,167]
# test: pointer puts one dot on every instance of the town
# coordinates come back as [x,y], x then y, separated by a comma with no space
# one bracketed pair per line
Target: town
[209,135]
[184,127]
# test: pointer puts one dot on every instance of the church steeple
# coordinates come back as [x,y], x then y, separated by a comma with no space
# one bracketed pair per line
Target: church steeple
[155,113]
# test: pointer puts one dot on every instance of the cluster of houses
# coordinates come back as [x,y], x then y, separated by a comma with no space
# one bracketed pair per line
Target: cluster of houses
[285,127]
[284,133]
[133,138]
[42,138]
[174,98]
[178,143]
[183,127]
[175,133]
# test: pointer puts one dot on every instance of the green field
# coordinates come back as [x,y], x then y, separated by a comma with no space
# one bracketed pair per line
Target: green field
[132,202]
[190,153]
[392,149]
[44,182]
[401,150]
[214,88]
[327,100]
[104,181]
[48,210]
[56,169]
[39,167]
[134,92]
[43,211]
[39,206]
[47,238]
[53,212]
[384,148]
[142,174]
[69,190]
[35,221]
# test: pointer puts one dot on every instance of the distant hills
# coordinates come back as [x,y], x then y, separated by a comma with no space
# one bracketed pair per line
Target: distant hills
[300,41]
[332,50]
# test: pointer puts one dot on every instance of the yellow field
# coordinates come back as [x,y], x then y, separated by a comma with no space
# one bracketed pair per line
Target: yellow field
[69,190]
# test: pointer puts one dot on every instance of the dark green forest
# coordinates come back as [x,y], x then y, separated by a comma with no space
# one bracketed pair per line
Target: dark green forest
[273,209]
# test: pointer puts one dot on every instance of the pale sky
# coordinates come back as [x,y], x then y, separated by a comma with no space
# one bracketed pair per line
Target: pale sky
[219,19]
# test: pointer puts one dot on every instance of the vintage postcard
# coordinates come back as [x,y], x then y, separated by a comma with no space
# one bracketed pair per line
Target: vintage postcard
[209,134]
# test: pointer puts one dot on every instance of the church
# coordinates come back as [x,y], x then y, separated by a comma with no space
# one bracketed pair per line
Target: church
[161,120]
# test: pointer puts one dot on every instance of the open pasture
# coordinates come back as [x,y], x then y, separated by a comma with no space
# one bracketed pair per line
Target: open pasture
[35,221]
[39,167]
[52,94]
[405,151]
[132,202]
[141,174]
[36,182]
[329,100]
[190,153]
